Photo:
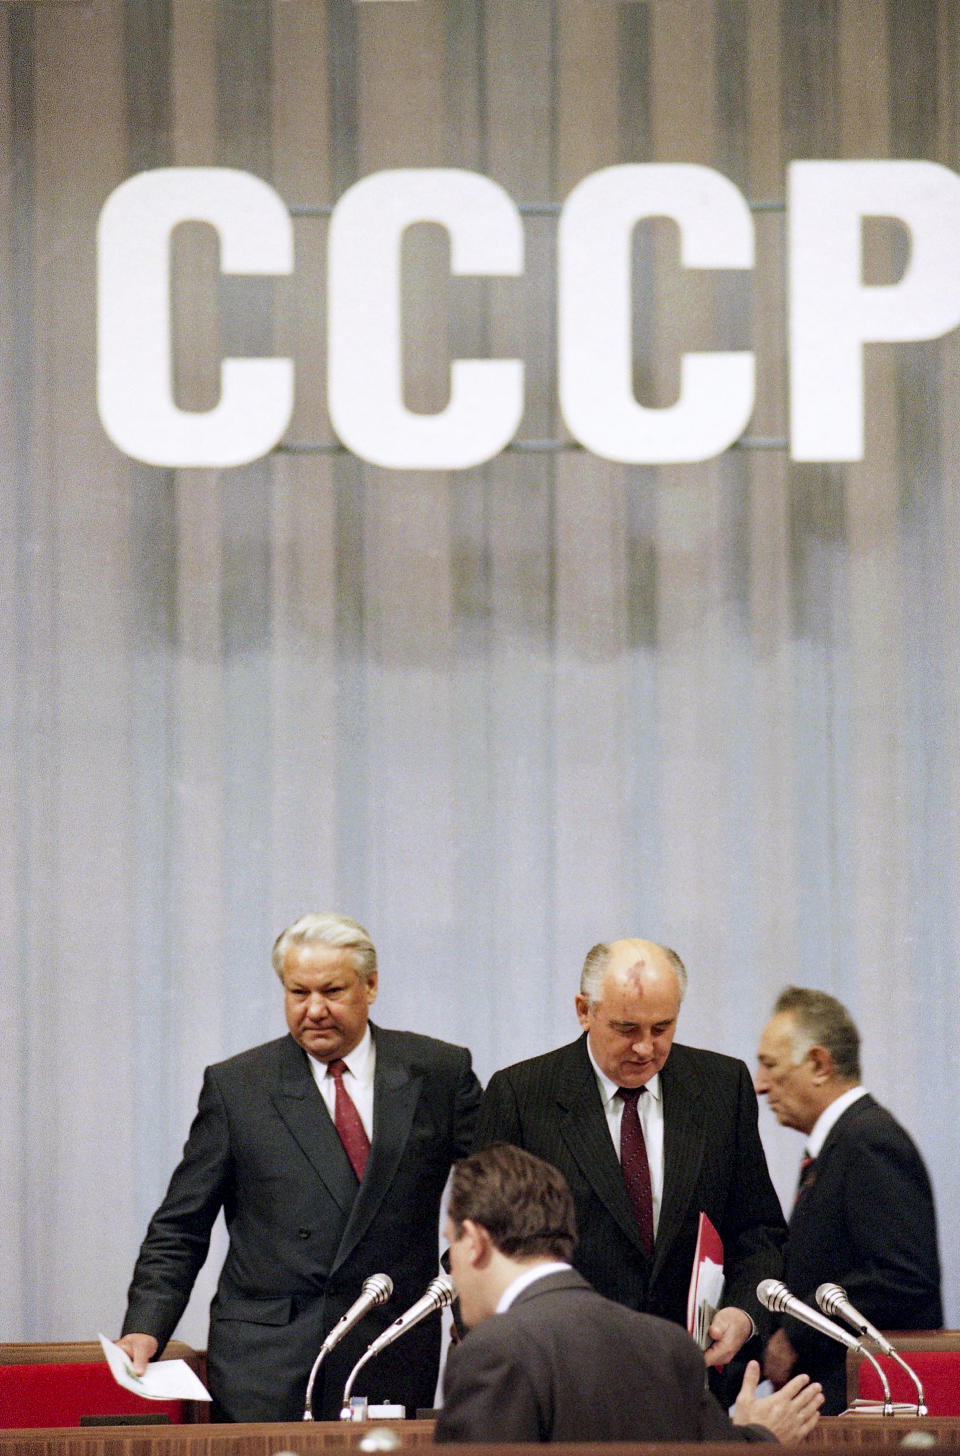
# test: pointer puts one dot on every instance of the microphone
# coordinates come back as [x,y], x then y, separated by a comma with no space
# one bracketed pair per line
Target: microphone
[439,1293]
[375,1290]
[833,1300]
[775,1296]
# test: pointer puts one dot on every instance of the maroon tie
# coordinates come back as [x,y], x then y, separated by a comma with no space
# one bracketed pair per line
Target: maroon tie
[807,1176]
[346,1119]
[636,1169]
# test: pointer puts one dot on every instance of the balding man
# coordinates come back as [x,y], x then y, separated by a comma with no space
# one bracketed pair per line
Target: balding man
[649,1134]
[863,1216]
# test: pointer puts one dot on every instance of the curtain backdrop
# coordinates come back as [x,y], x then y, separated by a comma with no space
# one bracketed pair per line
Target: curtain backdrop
[495,714]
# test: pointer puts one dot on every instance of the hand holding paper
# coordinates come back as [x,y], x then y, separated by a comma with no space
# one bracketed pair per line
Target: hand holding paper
[162,1380]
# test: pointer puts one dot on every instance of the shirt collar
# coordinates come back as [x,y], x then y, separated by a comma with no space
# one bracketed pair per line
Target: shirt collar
[609,1090]
[528,1277]
[829,1117]
[359,1061]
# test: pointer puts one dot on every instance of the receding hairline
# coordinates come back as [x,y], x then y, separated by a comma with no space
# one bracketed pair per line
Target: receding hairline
[596,966]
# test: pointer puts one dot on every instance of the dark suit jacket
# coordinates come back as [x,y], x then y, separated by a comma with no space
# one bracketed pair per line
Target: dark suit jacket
[302,1236]
[563,1364]
[713,1162]
[864,1221]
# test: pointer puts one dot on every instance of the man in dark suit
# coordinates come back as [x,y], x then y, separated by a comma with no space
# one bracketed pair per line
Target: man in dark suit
[697,1136]
[546,1358]
[864,1215]
[328,1151]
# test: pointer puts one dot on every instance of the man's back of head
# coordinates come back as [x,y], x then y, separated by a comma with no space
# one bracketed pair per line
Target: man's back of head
[508,1212]
[524,1203]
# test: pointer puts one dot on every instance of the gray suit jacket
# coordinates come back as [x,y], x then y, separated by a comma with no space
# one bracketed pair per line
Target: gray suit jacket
[563,1364]
[713,1162]
[303,1237]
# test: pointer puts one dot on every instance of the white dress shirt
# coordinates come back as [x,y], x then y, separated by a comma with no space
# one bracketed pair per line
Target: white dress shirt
[528,1277]
[829,1116]
[357,1080]
[650,1112]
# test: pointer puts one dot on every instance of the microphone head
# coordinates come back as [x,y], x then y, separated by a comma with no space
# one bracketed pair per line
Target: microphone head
[442,1289]
[773,1295]
[830,1297]
[380,1286]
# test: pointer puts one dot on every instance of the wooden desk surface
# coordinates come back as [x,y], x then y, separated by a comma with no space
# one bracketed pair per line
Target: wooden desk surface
[844,1432]
[305,1438]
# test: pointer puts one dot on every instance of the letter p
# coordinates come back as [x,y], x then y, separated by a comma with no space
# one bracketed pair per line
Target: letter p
[833,313]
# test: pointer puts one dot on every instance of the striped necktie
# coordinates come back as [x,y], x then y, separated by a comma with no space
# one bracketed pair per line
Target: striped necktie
[636,1168]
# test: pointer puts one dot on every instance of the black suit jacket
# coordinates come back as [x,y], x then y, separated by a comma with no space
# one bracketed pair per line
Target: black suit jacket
[865,1220]
[303,1237]
[713,1162]
[563,1364]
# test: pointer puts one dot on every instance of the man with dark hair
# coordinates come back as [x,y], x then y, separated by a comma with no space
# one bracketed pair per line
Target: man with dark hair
[649,1135]
[864,1215]
[546,1358]
[328,1151]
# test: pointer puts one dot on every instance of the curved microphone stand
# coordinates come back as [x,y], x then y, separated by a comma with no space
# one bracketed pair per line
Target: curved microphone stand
[375,1290]
[775,1296]
[833,1300]
[439,1293]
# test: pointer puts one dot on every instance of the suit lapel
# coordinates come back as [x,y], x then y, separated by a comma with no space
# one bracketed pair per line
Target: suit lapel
[807,1207]
[684,1131]
[396,1091]
[830,1142]
[849,1114]
[584,1129]
[305,1114]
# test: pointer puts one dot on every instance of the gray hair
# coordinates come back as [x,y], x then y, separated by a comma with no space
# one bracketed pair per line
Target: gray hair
[328,928]
[595,968]
[822,1020]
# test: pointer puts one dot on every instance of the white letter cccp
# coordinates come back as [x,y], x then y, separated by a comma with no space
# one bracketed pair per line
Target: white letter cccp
[134,375]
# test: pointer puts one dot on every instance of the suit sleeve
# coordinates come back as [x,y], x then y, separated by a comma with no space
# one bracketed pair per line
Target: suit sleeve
[487,1397]
[713,1423]
[499,1120]
[888,1202]
[466,1107]
[178,1237]
[753,1229]
[716,1425]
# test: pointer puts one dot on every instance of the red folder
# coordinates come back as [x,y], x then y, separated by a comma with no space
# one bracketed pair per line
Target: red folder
[707,1258]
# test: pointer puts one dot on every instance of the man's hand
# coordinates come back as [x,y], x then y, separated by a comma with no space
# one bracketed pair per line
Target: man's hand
[779,1358]
[731,1328]
[790,1414]
[139,1349]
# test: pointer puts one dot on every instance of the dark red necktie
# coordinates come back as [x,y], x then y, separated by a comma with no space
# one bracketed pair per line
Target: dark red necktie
[636,1169]
[806,1176]
[346,1119]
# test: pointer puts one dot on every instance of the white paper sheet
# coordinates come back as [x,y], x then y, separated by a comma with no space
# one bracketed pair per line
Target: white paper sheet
[162,1380]
[708,1296]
